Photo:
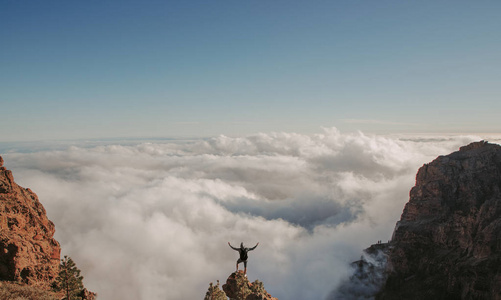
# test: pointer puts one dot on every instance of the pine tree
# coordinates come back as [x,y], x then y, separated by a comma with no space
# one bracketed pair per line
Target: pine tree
[69,279]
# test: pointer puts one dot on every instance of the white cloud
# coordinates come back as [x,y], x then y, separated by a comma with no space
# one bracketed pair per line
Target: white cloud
[152,220]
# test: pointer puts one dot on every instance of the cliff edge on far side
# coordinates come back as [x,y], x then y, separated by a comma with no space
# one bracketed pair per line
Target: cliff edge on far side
[447,244]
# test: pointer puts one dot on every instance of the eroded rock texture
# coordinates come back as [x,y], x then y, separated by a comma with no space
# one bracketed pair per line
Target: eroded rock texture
[447,244]
[28,251]
[238,287]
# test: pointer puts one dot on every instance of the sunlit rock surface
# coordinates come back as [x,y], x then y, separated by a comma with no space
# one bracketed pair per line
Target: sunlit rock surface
[237,286]
[28,251]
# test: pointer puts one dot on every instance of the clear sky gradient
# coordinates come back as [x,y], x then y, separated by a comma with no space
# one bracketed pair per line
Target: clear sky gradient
[102,69]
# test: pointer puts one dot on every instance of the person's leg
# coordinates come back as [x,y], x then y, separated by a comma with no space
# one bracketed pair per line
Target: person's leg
[245,267]
[238,261]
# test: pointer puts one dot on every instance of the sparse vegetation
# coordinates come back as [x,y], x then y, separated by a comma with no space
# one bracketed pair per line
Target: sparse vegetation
[18,291]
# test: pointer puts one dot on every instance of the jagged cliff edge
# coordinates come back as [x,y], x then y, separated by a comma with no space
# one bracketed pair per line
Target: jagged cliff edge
[29,254]
[447,244]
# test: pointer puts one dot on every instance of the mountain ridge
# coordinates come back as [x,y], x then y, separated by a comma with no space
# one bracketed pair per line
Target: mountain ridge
[447,243]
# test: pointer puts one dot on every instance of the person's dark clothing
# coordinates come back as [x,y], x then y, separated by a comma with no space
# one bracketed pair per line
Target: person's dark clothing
[243,253]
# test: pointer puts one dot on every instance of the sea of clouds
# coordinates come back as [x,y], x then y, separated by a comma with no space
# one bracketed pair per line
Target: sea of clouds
[151,220]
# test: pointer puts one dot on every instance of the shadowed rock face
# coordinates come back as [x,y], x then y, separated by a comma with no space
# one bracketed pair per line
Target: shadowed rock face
[368,275]
[28,251]
[447,244]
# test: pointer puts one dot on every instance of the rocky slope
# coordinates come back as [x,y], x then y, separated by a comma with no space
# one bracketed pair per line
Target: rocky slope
[29,254]
[28,251]
[447,244]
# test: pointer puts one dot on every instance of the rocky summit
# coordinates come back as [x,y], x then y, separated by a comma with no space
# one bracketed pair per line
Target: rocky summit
[447,244]
[237,286]
[28,251]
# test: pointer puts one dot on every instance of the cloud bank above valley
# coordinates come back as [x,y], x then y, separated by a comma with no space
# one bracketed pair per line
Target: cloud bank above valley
[151,220]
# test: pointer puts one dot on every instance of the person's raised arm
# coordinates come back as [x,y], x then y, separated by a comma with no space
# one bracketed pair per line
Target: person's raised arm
[253,247]
[236,249]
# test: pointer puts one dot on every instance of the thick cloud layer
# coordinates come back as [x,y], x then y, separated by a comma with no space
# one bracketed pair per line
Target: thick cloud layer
[152,220]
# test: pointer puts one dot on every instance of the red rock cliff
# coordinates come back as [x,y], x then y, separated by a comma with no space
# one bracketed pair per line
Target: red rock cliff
[447,244]
[28,251]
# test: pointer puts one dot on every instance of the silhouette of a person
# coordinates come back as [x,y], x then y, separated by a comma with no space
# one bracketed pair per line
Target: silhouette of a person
[243,254]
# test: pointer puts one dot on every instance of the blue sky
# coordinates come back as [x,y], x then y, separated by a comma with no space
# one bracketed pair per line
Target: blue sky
[102,69]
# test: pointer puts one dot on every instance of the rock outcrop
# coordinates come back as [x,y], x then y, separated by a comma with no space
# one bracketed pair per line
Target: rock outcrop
[28,251]
[447,244]
[215,293]
[238,287]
